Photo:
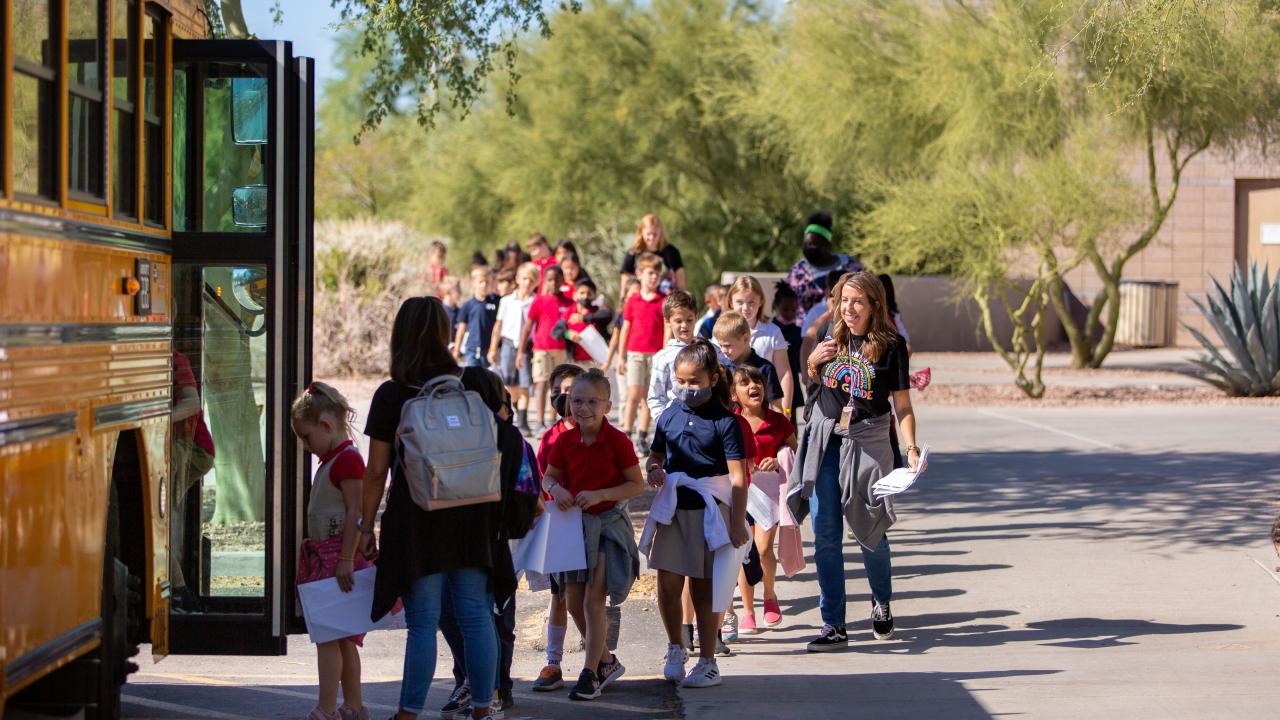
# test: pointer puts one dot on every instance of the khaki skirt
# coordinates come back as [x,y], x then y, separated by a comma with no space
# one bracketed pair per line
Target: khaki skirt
[681,547]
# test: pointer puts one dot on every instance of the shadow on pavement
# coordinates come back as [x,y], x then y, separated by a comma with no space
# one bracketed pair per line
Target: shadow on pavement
[1161,499]
[896,695]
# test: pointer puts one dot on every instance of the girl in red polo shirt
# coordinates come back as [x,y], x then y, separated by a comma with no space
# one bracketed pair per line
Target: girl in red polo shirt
[595,467]
[772,431]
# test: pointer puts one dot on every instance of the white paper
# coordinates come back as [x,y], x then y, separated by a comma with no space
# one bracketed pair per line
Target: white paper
[593,342]
[332,614]
[900,480]
[762,498]
[554,544]
[726,562]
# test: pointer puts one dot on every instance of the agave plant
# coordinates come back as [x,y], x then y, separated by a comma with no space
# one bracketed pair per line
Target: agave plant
[1247,320]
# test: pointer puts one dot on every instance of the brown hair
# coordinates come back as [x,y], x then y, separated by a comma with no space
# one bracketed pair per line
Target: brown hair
[881,335]
[562,371]
[537,239]
[746,283]
[507,276]
[731,325]
[678,299]
[648,260]
[420,342]
[649,221]
[751,374]
[320,399]
[596,379]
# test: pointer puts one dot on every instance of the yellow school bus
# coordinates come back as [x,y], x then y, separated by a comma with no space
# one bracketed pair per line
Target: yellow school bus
[155,244]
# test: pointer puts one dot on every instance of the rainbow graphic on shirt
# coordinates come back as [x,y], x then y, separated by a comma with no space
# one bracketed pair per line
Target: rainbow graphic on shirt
[851,373]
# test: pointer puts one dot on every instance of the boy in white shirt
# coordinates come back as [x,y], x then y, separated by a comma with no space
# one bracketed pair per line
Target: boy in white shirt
[513,312]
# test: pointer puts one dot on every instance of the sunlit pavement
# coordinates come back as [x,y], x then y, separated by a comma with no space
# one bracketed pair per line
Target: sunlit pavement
[1082,562]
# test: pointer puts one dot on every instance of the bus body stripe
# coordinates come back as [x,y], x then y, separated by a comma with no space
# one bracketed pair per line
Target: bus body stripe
[48,653]
[44,427]
[129,412]
[27,334]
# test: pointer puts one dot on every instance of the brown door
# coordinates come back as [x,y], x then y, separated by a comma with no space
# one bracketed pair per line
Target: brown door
[1258,223]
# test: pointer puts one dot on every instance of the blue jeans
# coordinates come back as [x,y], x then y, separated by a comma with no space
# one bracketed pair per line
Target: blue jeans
[828,544]
[472,608]
[505,626]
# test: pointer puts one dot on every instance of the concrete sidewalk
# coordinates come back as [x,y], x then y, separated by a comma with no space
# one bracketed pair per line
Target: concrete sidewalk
[1105,562]
[1157,367]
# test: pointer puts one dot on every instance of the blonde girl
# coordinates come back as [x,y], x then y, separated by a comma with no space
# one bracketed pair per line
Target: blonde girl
[746,297]
[651,237]
[321,418]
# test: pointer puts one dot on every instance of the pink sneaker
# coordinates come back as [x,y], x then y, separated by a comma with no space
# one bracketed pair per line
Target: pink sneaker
[318,714]
[772,613]
[747,624]
[346,712]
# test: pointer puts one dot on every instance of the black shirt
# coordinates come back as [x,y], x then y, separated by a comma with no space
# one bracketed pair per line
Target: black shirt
[670,259]
[416,543]
[849,378]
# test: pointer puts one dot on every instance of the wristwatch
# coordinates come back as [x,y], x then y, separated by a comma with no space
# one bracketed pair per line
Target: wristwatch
[360,526]
[909,448]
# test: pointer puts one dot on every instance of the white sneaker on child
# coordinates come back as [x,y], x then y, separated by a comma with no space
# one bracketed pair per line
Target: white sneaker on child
[703,675]
[673,670]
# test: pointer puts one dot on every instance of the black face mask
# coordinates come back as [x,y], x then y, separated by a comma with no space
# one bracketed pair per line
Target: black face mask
[817,255]
[561,405]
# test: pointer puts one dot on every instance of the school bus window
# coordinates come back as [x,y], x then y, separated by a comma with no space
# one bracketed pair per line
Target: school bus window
[124,130]
[153,120]
[182,220]
[35,61]
[232,179]
[85,109]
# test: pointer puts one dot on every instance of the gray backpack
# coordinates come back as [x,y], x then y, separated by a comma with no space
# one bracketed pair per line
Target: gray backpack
[449,446]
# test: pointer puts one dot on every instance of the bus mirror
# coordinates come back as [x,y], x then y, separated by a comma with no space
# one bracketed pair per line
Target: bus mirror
[249,206]
[249,110]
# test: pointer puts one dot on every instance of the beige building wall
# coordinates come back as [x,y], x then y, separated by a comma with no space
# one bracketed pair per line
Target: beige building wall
[1198,240]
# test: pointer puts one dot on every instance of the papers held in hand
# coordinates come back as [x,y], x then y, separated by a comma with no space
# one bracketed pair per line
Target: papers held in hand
[332,614]
[900,480]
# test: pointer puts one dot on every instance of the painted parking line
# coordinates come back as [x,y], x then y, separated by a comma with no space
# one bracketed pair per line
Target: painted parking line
[1048,428]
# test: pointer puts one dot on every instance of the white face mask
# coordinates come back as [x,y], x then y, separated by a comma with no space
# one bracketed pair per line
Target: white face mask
[693,397]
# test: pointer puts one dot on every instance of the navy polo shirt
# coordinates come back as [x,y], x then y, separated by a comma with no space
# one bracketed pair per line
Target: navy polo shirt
[480,316]
[698,443]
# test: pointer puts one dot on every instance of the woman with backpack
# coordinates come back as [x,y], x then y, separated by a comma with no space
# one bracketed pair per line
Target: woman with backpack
[427,554]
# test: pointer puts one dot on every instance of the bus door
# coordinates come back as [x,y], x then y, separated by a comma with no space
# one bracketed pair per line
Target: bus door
[242,210]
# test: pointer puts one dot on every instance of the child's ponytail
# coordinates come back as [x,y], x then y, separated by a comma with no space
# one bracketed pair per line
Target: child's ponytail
[320,399]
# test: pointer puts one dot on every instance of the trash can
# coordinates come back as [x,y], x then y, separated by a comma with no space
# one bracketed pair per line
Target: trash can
[1148,313]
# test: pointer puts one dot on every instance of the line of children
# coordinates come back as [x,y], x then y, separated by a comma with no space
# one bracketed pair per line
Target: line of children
[506,344]
[746,297]
[476,319]
[545,312]
[733,335]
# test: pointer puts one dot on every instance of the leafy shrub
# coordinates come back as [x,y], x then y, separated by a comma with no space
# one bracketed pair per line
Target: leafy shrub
[1247,320]
[364,269]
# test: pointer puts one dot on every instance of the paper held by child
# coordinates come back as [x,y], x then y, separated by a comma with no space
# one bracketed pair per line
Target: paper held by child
[555,543]
[332,614]
[593,342]
[900,480]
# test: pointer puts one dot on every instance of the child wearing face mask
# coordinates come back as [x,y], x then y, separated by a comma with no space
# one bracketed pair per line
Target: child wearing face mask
[594,467]
[699,460]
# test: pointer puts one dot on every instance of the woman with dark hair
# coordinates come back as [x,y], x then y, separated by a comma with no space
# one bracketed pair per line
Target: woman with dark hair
[651,237]
[428,555]
[845,449]
[808,275]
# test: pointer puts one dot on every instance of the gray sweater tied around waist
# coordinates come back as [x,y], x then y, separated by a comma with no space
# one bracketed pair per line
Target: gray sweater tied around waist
[865,457]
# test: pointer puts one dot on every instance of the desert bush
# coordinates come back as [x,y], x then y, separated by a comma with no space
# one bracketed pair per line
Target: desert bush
[1247,320]
[364,269]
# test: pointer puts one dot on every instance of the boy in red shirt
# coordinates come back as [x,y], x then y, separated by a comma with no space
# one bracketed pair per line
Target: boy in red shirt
[548,351]
[642,338]
[594,467]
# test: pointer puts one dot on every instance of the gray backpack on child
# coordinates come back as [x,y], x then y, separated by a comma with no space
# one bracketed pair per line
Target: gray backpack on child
[449,446]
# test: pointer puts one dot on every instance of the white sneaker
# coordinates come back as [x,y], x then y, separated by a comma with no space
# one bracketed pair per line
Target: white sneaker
[673,670]
[703,675]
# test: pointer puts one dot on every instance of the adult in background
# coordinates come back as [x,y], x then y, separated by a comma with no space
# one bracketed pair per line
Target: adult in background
[845,449]
[425,555]
[807,276]
[651,237]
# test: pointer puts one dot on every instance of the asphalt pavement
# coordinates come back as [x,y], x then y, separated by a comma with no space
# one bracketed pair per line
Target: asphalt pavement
[1052,563]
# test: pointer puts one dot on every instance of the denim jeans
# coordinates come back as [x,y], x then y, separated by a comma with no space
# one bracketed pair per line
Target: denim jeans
[828,545]
[472,608]
[505,626]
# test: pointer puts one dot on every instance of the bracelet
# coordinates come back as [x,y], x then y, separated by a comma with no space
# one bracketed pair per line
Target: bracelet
[913,448]
[346,559]
[362,528]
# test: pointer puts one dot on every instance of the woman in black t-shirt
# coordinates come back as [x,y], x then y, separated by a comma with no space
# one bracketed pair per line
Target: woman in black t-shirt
[426,555]
[651,237]
[854,374]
